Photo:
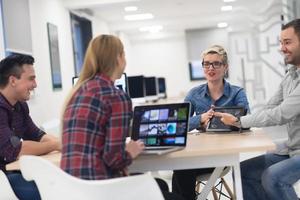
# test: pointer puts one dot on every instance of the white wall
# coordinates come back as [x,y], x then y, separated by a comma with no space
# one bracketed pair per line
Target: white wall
[166,58]
[1,36]
[46,104]
[200,39]
[99,27]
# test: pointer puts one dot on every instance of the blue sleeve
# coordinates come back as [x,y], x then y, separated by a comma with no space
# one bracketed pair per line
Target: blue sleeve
[194,120]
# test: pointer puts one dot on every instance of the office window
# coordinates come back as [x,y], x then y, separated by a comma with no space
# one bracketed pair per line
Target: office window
[16,26]
[81,36]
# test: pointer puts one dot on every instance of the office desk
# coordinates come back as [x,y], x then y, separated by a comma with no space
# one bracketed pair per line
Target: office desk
[202,151]
[209,150]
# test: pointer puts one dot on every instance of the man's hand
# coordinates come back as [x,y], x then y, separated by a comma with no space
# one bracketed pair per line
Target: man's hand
[226,118]
[47,144]
[56,143]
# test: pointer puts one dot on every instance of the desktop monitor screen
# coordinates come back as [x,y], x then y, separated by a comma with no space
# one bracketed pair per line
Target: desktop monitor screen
[162,92]
[74,80]
[136,86]
[151,86]
[121,83]
[196,70]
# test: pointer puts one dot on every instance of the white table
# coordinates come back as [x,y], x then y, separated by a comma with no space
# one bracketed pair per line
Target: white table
[209,150]
[202,151]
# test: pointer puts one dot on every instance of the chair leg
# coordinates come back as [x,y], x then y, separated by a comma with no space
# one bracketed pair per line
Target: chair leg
[230,193]
[214,192]
[198,186]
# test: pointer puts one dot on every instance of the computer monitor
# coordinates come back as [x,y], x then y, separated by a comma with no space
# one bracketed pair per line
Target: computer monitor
[196,70]
[136,88]
[74,80]
[162,89]
[151,86]
[122,83]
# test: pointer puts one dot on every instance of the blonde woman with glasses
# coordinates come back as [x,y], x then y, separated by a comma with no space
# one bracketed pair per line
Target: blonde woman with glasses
[203,98]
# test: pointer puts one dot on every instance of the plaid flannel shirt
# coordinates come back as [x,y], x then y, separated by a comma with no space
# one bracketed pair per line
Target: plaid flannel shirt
[95,126]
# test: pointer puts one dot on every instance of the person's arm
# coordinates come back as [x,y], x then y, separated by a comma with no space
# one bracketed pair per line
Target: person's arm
[46,145]
[115,156]
[134,148]
[281,114]
[10,145]
[276,99]
[194,121]
[36,141]
[199,119]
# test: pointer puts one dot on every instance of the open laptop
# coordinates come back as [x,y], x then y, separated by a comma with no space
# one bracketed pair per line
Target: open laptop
[163,127]
[216,125]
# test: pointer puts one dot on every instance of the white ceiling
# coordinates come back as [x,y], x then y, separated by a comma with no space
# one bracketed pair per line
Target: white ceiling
[174,15]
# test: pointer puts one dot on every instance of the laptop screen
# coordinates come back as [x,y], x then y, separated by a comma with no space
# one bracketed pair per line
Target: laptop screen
[161,125]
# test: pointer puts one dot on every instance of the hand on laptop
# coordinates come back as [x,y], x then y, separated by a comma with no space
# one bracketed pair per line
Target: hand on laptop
[134,148]
[226,118]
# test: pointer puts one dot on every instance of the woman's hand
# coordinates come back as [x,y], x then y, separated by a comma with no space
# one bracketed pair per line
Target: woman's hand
[134,148]
[205,117]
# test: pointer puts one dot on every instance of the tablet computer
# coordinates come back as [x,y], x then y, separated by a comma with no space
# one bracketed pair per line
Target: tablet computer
[215,124]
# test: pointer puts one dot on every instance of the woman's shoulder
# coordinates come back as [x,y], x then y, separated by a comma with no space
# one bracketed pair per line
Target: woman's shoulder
[233,87]
[198,88]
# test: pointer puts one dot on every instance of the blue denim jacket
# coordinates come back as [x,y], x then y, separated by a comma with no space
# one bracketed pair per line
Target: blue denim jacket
[201,101]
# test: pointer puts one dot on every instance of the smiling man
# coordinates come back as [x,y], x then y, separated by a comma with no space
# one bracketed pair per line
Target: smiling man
[18,133]
[272,175]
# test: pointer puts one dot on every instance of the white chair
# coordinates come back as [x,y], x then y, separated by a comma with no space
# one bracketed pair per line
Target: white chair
[217,190]
[53,183]
[6,191]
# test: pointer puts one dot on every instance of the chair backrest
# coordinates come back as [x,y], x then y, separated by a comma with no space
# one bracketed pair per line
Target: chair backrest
[6,190]
[53,183]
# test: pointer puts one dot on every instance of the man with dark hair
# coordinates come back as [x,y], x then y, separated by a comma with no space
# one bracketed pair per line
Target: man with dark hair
[272,175]
[18,133]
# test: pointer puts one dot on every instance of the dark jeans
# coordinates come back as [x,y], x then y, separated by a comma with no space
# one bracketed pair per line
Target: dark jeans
[184,181]
[24,190]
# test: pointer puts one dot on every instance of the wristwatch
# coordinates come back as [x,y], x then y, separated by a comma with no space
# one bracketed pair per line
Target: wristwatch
[238,123]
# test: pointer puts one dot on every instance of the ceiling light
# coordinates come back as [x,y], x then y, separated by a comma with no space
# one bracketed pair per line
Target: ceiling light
[226,1]
[138,17]
[130,8]
[226,8]
[151,29]
[222,25]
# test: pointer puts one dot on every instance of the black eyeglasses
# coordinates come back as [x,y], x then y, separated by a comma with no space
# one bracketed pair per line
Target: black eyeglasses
[215,65]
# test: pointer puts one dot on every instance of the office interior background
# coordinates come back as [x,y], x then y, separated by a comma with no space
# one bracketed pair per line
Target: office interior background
[56,33]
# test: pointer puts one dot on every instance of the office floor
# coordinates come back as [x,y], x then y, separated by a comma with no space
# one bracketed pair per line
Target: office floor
[276,133]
